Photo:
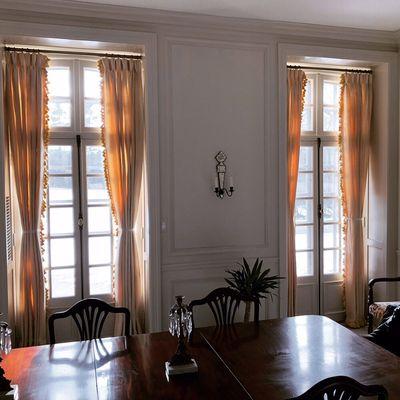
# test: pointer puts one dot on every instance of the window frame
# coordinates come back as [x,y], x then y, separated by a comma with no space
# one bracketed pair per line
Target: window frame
[317,138]
[89,136]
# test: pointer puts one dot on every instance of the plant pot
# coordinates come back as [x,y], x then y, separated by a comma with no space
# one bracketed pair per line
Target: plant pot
[247,312]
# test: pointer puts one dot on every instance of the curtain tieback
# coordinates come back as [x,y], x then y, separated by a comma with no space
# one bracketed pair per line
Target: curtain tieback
[351,221]
[31,231]
[122,229]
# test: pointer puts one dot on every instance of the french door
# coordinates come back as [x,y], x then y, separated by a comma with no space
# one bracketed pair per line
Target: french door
[319,240]
[79,236]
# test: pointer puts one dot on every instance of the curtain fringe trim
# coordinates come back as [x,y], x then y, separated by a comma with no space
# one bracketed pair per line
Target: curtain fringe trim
[106,168]
[46,138]
[343,201]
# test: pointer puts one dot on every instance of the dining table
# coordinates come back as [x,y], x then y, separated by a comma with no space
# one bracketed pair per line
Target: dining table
[271,359]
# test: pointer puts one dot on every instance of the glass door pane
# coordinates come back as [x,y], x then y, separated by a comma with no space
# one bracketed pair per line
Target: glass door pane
[304,213]
[330,106]
[307,118]
[331,228]
[100,236]
[92,106]
[61,260]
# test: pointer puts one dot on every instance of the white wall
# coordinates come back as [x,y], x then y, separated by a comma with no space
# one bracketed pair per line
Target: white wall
[217,99]
[214,87]
[382,190]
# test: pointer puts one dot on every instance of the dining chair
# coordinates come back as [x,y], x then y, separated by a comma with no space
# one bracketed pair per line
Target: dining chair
[377,310]
[342,387]
[224,303]
[89,316]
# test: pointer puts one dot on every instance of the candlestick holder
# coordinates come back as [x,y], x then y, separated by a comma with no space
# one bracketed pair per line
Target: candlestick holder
[180,325]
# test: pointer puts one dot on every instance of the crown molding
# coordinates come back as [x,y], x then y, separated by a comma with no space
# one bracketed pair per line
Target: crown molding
[80,13]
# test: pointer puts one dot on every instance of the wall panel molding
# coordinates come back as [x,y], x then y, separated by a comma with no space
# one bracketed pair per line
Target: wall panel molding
[179,244]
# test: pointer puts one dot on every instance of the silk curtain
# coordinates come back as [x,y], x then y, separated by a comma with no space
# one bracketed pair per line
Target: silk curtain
[354,142]
[124,142]
[296,85]
[27,129]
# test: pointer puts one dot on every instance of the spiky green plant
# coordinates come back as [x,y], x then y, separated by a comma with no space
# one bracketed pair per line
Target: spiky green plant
[253,284]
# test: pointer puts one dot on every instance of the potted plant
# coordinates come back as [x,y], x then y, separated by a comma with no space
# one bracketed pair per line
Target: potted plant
[253,284]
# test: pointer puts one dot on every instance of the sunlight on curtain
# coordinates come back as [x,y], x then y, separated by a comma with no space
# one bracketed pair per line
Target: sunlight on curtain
[27,130]
[296,82]
[354,142]
[124,140]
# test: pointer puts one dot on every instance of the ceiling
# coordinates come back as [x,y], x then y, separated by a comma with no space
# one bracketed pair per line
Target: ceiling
[370,14]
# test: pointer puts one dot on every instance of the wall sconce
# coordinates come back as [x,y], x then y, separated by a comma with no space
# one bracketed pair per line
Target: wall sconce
[219,183]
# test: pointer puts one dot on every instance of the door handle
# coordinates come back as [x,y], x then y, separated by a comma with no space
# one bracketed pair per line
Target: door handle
[320,211]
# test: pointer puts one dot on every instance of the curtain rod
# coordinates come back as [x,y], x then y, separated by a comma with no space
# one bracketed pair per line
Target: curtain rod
[135,57]
[366,71]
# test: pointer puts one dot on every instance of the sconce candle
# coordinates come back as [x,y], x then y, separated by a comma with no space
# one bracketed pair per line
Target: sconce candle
[219,183]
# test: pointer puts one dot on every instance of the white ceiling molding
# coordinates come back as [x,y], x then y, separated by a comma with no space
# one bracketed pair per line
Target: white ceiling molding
[69,12]
[366,14]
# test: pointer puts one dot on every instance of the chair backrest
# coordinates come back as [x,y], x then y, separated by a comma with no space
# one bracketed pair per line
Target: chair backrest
[342,387]
[89,316]
[224,303]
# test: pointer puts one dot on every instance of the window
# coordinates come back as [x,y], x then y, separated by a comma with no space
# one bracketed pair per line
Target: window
[92,106]
[79,234]
[60,104]
[318,216]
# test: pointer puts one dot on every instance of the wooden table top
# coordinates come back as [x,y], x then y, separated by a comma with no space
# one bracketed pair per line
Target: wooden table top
[138,371]
[63,371]
[286,357]
[117,368]
[276,359]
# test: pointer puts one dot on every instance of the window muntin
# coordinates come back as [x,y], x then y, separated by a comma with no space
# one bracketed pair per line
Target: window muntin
[319,240]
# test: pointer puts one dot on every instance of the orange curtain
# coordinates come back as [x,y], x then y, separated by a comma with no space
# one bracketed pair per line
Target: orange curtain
[124,141]
[354,142]
[26,125]
[296,85]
